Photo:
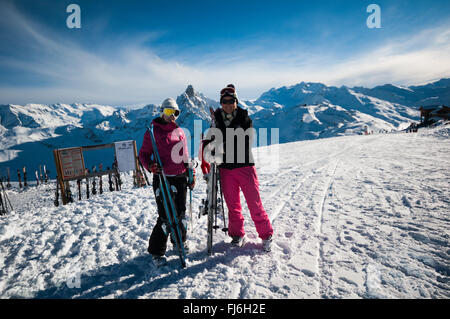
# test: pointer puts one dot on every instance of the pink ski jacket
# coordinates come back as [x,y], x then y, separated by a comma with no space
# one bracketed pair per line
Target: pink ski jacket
[172,147]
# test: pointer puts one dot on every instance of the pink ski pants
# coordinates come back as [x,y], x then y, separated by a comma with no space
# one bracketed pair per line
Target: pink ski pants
[244,178]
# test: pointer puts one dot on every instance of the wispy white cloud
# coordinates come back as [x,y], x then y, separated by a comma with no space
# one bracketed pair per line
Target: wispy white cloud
[134,73]
[131,73]
[408,60]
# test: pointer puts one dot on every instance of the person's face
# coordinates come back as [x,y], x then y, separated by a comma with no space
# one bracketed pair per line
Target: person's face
[170,115]
[229,104]
[168,119]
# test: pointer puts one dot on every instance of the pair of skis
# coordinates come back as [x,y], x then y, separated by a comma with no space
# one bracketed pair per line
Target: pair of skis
[212,204]
[5,204]
[169,205]
[89,191]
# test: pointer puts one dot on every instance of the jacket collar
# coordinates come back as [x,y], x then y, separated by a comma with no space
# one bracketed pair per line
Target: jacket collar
[163,125]
[238,116]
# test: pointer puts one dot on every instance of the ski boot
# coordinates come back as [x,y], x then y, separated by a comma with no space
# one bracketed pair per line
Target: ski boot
[159,261]
[237,241]
[267,243]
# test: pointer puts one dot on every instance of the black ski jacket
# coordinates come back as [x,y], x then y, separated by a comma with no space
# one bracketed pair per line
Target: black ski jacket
[241,120]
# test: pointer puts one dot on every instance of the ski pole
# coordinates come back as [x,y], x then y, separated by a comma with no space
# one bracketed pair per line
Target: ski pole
[79,188]
[225,228]
[56,202]
[94,190]
[191,180]
[45,175]
[40,174]
[110,181]
[100,178]
[215,208]
[190,209]
[87,183]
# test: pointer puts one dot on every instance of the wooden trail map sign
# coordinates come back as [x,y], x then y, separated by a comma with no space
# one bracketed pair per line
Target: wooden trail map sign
[72,163]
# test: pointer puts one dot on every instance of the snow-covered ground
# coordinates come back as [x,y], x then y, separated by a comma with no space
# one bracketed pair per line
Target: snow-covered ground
[354,217]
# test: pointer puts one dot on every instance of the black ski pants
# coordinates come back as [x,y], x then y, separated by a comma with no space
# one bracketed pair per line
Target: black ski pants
[161,231]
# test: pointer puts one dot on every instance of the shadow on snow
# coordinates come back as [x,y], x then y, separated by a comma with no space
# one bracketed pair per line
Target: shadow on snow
[138,277]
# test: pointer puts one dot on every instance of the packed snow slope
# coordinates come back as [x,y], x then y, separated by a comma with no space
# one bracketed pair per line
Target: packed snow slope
[354,217]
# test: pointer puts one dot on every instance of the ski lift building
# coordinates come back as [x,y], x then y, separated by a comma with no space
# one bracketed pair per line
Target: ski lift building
[433,113]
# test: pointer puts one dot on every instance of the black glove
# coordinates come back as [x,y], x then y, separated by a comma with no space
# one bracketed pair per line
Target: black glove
[155,168]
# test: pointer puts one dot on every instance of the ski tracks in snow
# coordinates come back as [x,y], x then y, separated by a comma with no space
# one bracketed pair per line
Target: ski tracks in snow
[324,275]
[290,270]
[296,209]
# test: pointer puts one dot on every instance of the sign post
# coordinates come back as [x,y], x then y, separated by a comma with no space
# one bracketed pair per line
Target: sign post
[70,165]
[126,155]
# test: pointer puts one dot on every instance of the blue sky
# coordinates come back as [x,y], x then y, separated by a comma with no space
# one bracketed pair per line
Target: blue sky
[135,52]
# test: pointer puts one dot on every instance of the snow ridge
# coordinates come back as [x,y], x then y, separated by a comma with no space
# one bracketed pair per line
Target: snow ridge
[303,111]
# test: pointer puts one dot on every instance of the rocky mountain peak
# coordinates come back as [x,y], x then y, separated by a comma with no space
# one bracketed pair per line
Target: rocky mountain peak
[190,91]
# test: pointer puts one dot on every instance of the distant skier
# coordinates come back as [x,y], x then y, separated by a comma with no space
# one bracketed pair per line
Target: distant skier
[236,175]
[167,135]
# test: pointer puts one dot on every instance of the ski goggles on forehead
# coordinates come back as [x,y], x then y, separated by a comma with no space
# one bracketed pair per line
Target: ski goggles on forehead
[228,91]
[170,112]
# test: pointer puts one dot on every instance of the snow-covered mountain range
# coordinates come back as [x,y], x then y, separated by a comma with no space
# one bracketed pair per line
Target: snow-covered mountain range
[29,133]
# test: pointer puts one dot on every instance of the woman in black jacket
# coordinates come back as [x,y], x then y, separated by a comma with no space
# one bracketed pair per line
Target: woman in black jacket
[237,171]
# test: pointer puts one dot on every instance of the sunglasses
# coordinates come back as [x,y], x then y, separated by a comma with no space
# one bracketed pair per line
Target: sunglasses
[170,112]
[228,101]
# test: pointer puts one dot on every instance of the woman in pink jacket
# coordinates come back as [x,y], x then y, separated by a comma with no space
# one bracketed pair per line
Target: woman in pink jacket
[172,147]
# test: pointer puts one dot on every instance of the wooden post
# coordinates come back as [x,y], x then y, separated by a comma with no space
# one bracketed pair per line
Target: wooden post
[25,182]
[60,176]
[136,174]
[136,163]
[20,179]
[8,186]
